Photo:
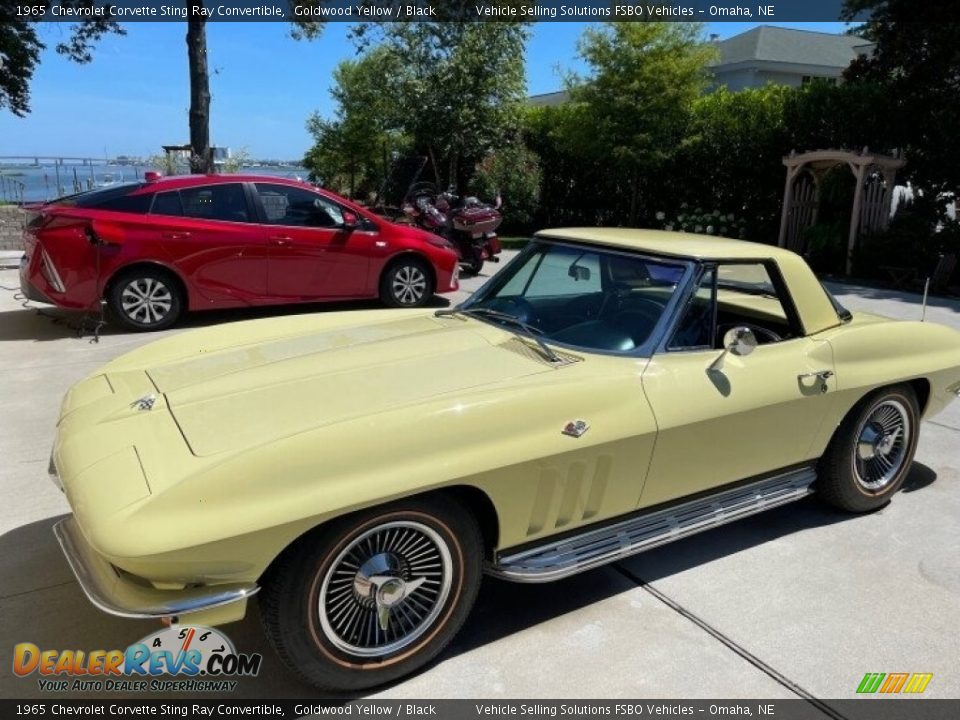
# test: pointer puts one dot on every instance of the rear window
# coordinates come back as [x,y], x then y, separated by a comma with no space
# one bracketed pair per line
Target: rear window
[117,198]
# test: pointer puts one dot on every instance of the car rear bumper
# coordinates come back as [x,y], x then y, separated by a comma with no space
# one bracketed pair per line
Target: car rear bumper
[118,594]
[29,290]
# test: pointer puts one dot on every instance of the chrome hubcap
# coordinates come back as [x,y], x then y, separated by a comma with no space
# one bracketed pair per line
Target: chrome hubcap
[385,589]
[409,284]
[881,446]
[146,300]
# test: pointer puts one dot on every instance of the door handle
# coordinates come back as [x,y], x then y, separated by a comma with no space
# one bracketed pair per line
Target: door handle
[175,235]
[280,240]
[816,374]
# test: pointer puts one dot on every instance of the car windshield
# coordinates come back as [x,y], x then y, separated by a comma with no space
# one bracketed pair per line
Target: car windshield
[586,297]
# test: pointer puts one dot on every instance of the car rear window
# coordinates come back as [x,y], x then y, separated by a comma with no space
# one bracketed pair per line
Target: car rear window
[117,198]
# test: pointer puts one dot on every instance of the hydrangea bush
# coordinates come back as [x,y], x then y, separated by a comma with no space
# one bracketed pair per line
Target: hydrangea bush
[699,221]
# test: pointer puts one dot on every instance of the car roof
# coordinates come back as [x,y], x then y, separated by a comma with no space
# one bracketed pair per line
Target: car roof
[177,181]
[671,244]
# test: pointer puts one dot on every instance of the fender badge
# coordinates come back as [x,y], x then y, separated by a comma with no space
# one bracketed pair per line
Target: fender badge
[575,428]
[144,403]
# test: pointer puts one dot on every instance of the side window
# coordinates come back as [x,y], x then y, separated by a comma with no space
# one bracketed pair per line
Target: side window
[733,295]
[167,203]
[288,205]
[216,202]
[696,328]
[138,204]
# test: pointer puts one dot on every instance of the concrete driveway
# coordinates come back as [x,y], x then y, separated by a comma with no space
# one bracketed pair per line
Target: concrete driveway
[798,601]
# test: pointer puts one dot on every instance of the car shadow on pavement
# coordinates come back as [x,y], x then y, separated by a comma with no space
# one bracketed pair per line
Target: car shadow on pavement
[41,603]
[44,323]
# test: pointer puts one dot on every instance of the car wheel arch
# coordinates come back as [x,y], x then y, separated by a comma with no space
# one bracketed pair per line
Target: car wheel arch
[148,264]
[473,499]
[405,255]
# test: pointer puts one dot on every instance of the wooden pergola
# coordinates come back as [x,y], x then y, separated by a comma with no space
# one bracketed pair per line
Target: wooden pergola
[874,175]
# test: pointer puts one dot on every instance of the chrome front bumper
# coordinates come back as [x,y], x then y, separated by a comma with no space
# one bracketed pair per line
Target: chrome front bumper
[113,593]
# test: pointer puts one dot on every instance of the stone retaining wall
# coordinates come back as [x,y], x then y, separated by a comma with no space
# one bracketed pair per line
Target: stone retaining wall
[11,225]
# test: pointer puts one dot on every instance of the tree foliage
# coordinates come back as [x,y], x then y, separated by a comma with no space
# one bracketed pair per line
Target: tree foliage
[450,91]
[634,108]
[917,65]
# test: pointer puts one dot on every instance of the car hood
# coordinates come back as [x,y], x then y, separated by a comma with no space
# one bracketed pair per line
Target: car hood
[236,398]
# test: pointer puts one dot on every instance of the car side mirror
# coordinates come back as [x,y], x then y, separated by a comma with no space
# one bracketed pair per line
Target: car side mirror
[350,220]
[739,341]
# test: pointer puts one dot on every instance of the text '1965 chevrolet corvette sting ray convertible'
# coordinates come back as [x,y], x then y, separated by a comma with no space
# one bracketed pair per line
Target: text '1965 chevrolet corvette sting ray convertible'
[606,392]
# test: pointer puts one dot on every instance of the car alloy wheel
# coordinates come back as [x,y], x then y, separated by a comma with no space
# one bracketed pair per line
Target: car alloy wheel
[409,285]
[146,300]
[881,445]
[385,589]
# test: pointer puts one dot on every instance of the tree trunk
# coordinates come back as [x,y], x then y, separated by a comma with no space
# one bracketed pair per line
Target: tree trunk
[634,197]
[201,158]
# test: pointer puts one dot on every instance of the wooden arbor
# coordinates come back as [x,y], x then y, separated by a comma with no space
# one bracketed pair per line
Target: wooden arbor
[874,175]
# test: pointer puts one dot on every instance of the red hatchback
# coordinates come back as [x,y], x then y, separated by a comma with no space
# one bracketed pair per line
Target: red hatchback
[153,250]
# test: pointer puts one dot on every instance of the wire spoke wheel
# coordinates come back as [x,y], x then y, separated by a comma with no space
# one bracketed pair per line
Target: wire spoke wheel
[409,284]
[385,589]
[881,445]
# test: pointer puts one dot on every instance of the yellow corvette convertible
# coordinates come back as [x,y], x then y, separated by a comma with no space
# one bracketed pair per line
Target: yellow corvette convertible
[607,392]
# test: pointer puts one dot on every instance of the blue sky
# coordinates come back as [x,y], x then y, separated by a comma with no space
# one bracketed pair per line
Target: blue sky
[133,97]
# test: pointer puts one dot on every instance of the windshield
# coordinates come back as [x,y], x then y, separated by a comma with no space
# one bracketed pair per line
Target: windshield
[590,298]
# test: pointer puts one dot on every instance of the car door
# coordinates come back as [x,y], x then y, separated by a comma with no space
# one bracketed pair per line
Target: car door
[723,417]
[313,255]
[211,236]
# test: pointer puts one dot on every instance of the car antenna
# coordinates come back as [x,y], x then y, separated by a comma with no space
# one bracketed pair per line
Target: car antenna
[926,291]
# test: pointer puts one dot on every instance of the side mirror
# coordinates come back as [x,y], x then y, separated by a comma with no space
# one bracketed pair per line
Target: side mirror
[579,272]
[739,341]
[350,220]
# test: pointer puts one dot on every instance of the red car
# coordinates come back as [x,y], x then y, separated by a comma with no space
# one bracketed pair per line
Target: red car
[155,249]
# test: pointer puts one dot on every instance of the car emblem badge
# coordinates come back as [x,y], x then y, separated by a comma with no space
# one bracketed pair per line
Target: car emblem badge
[144,403]
[575,428]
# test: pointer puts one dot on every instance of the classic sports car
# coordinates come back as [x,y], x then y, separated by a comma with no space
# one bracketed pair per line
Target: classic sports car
[153,250]
[607,392]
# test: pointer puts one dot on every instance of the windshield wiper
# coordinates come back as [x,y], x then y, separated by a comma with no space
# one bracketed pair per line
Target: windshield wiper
[531,332]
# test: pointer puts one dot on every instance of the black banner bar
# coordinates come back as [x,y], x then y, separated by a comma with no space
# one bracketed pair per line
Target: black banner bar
[438,10]
[867,708]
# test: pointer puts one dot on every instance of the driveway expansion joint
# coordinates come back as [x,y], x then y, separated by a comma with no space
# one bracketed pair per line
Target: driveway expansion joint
[732,644]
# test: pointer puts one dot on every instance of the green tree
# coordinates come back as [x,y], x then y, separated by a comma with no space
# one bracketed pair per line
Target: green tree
[632,111]
[350,152]
[20,48]
[916,62]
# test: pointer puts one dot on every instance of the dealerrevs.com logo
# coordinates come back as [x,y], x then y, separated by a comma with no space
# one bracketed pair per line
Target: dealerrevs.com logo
[200,659]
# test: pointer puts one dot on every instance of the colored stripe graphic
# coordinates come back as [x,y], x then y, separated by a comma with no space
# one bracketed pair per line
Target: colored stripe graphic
[871,682]
[894,682]
[918,682]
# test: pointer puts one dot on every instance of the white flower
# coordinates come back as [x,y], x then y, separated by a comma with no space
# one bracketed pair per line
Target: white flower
[698,229]
[668,226]
[709,229]
[661,215]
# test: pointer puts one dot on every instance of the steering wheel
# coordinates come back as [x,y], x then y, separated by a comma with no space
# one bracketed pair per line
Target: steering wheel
[758,330]
[519,307]
[619,293]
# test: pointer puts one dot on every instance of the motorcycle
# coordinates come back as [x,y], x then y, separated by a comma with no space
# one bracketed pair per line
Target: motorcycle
[466,223]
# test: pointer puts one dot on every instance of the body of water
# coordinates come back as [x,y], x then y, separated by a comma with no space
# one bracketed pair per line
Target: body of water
[38,183]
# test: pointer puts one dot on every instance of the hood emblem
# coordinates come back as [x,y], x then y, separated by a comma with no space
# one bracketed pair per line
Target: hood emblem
[575,428]
[144,403]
